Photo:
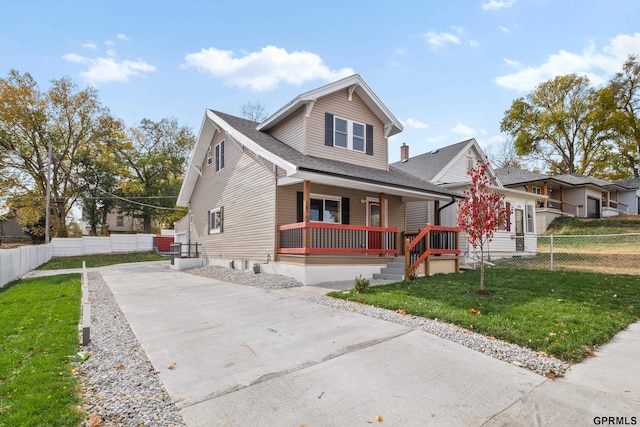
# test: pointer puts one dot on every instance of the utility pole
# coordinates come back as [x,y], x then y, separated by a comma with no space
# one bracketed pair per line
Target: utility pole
[48,208]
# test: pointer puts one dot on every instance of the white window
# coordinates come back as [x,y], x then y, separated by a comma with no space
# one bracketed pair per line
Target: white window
[471,163]
[219,153]
[119,221]
[325,209]
[209,156]
[530,224]
[536,190]
[349,134]
[215,220]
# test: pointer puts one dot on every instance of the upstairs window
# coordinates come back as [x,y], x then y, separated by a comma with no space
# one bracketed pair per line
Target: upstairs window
[348,134]
[219,156]
[209,156]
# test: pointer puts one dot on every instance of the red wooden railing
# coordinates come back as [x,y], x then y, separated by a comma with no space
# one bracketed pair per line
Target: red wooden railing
[432,240]
[326,238]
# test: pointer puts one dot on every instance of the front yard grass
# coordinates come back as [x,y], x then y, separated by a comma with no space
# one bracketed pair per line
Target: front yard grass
[38,336]
[566,314]
[100,260]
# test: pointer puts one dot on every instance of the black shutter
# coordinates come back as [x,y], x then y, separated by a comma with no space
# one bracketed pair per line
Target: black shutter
[208,222]
[221,217]
[299,204]
[221,154]
[328,129]
[345,210]
[369,142]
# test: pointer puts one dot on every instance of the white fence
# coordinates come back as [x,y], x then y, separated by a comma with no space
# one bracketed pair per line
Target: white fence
[116,243]
[17,262]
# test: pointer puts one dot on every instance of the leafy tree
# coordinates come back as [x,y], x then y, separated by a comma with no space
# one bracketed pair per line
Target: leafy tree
[66,117]
[255,112]
[621,97]
[481,213]
[155,167]
[505,156]
[560,125]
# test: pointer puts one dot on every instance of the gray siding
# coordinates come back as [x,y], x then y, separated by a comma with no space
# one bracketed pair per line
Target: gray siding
[291,130]
[246,190]
[418,215]
[339,105]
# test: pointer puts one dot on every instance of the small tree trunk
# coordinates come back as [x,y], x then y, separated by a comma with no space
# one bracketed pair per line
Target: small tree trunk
[481,267]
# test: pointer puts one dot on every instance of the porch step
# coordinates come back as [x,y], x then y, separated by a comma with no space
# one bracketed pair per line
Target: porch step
[393,271]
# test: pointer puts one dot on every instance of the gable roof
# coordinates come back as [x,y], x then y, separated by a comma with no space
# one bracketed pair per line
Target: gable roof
[353,83]
[296,164]
[513,176]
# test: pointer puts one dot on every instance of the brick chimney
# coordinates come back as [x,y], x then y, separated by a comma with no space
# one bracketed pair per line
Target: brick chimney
[404,151]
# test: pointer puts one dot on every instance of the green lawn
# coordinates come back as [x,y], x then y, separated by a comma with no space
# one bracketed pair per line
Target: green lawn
[100,260]
[38,335]
[612,225]
[565,314]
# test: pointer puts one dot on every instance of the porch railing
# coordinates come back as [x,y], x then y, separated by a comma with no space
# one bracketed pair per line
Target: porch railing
[184,250]
[432,240]
[326,238]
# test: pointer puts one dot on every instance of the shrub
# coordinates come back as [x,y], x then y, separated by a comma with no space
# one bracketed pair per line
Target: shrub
[361,284]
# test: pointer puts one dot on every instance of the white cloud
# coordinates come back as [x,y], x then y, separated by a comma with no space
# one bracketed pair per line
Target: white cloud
[437,40]
[512,63]
[503,29]
[474,43]
[463,130]
[416,124]
[122,37]
[109,43]
[597,66]
[458,29]
[89,45]
[265,69]
[110,68]
[497,4]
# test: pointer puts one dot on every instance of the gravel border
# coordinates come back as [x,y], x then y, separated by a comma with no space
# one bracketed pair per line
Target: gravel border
[119,383]
[245,277]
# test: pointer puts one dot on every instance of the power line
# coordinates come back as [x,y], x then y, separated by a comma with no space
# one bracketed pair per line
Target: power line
[140,203]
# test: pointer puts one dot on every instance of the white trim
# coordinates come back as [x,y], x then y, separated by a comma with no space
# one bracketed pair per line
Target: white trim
[325,197]
[212,229]
[350,134]
[370,199]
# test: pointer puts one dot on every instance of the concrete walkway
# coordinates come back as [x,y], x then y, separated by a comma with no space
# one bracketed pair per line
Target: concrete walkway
[243,356]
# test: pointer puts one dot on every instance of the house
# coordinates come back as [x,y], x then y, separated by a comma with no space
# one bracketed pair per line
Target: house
[116,222]
[630,195]
[448,167]
[307,193]
[570,194]
[11,230]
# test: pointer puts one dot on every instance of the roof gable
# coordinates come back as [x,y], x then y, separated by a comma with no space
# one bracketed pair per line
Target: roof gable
[352,84]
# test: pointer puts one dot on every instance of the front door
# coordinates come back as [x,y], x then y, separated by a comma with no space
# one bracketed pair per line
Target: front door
[519,230]
[593,207]
[373,220]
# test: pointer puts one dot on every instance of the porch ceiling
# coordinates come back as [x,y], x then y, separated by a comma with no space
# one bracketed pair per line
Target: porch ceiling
[373,187]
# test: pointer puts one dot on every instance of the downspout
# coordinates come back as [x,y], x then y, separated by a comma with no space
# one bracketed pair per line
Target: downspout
[453,200]
[189,225]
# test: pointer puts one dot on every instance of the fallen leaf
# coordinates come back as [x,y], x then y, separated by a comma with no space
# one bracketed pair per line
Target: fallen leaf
[379,418]
[401,311]
[94,420]
[121,366]
[172,366]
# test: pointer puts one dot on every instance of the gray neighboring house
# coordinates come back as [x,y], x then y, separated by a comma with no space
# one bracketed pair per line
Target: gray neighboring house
[11,230]
[307,193]
[574,195]
[631,195]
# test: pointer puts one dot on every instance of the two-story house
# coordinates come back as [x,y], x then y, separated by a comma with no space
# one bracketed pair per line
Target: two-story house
[307,193]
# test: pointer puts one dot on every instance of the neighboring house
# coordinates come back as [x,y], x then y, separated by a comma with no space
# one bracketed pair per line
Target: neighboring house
[117,223]
[448,167]
[630,196]
[574,195]
[11,230]
[307,193]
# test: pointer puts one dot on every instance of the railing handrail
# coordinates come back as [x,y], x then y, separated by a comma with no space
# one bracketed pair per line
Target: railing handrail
[429,251]
[329,225]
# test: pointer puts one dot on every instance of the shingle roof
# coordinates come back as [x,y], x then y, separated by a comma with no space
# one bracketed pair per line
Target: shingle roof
[629,183]
[512,176]
[393,176]
[428,165]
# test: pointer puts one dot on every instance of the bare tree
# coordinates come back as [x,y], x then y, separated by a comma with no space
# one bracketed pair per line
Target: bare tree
[254,111]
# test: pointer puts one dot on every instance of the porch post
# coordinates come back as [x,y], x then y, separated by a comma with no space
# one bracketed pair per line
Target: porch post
[436,208]
[545,192]
[306,214]
[383,219]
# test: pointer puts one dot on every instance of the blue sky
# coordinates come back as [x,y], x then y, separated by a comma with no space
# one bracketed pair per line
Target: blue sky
[447,70]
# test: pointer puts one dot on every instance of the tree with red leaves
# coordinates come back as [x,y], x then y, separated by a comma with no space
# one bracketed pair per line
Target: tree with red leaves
[481,212]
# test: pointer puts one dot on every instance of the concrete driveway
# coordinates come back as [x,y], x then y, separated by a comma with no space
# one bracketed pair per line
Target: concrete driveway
[243,356]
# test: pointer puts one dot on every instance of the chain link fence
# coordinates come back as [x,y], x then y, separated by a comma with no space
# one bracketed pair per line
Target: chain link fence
[607,253]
